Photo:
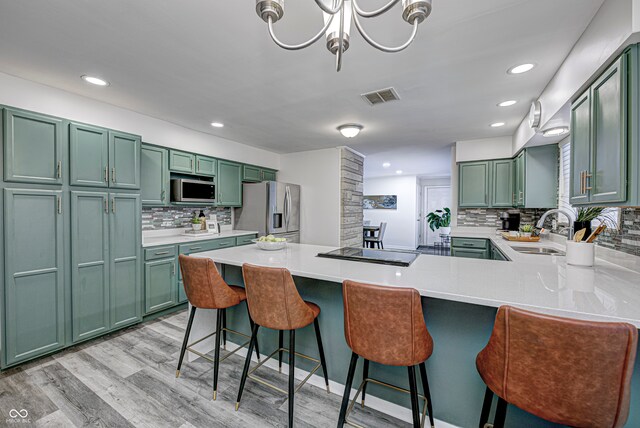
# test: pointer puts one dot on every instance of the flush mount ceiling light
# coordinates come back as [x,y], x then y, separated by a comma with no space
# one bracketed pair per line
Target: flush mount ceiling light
[350,130]
[508,103]
[522,68]
[497,124]
[399,171]
[555,132]
[338,15]
[386,165]
[217,124]
[94,80]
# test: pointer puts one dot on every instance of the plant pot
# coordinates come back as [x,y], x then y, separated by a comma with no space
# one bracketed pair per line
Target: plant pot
[526,234]
[196,226]
[445,230]
[579,225]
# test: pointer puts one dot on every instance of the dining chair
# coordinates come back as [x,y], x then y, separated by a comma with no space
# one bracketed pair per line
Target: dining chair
[377,240]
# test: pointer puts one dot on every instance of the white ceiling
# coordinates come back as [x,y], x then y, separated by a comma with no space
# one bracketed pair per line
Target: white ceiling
[194,61]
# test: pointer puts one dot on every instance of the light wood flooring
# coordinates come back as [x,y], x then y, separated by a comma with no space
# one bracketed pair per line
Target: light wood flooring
[128,379]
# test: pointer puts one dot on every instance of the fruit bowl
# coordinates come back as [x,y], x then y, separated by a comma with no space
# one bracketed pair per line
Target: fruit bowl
[269,245]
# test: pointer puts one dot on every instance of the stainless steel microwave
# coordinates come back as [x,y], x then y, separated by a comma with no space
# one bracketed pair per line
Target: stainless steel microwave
[186,190]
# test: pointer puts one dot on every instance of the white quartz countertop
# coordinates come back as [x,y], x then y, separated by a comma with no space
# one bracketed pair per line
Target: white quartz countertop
[543,283]
[155,240]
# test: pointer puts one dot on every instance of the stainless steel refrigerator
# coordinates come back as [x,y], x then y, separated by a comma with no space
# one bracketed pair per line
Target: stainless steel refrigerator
[271,208]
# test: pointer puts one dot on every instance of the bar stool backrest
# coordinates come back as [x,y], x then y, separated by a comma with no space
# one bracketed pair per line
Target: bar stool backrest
[385,324]
[567,371]
[203,284]
[273,299]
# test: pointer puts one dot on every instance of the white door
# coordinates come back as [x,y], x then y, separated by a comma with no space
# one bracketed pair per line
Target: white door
[435,198]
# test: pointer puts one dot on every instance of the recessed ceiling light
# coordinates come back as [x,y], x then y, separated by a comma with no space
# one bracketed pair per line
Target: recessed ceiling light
[497,124]
[555,132]
[386,165]
[507,103]
[399,171]
[95,80]
[217,124]
[350,130]
[522,68]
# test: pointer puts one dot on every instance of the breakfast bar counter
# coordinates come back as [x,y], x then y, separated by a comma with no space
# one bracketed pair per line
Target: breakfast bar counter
[460,299]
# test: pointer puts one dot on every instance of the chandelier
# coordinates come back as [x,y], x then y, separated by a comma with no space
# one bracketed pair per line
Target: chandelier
[337,23]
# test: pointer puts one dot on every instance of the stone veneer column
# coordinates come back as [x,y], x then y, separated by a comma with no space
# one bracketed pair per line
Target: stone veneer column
[351,188]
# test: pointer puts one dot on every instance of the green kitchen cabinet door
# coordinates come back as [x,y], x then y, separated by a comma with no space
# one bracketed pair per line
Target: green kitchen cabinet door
[159,285]
[154,175]
[471,253]
[33,147]
[182,295]
[124,249]
[34,277]
[251,174]
[520,174]
[229,184]
[181,162]
[474,184]
[607,178]
[580,148]
[124,160]
[268,175]
[89,264]
[502,183]
[88,156]
[205,166]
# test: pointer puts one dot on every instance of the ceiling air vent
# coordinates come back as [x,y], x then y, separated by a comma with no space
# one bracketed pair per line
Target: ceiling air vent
[380,96]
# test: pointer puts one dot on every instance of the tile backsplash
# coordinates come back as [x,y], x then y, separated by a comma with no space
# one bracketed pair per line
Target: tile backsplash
[158,218]
[490,217]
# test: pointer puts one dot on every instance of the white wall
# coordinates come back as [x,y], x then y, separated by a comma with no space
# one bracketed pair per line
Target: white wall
[17,92]
[483,149]
[318,172]
[402,224]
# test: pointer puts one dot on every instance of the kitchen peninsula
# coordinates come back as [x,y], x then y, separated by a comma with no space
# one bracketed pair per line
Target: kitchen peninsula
[460,297]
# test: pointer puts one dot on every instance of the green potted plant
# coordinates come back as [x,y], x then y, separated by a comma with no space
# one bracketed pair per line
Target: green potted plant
[527,230]
[585,215]
[440,219]
[196,224]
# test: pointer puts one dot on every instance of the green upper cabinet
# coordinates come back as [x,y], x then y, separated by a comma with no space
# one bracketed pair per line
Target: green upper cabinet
[539,167]
[33,147]
[205,166]
[154,175]
[181,162]
[89,264]
[88,155]
[124,248]
[519,180]
[474,184]
[580,148]
[268,175]
[502,183]
[251,173]
[34,318]
[229,184]
[124,160]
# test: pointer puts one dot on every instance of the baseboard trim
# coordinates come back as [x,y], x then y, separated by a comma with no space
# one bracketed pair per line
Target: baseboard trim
[384,406]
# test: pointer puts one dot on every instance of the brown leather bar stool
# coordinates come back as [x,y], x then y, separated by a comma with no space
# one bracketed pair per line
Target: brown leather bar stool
[571,372]
[274,302]
[206,289]
[386,325]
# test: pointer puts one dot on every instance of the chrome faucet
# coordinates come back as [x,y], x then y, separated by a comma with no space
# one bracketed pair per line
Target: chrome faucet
[567,214]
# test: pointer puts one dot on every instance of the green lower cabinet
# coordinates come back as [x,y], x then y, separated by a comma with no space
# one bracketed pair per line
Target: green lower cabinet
[154,176]
[470,253]
[182,295]
[229,184]
[34,322]
[89,264]
[159,285]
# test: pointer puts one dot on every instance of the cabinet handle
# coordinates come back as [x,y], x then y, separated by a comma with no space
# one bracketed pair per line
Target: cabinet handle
[106,174]
[162,195]
[587,186]
[191,163]
[173,269]
[113,174]
[161,253]
[195,248]
[59,202]
[113,205]
[106,205]
[59,170]
[198,165]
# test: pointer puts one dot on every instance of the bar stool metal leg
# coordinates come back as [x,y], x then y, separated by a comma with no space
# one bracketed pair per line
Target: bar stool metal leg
[216,358]
[501,414]
[280,345]
[365,375]
[415,410]
[251,323]
[292,378]
[486,407]
[247,363]
[427,392]
[323,361]
[185,341]
[224,329]
[347,389]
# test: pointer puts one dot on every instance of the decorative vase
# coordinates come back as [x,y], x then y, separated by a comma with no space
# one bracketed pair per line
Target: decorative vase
[445,230]
[196,226]
[579,225]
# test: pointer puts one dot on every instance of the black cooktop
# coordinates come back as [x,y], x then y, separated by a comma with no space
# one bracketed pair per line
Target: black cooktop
[370,255]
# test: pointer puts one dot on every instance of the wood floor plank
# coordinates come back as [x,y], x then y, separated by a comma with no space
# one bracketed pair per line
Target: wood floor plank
[56,419]
[114,357]
[170,330]
[19,392]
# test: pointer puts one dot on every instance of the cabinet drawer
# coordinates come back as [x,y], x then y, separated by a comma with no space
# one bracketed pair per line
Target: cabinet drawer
[198,247]
[470,243]
[470,253]
[245,240]
[160,253]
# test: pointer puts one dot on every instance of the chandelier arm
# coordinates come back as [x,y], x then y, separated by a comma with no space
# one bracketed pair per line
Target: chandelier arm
[340,42]
[382,47]
[301,45]
[373,13]
[328,10]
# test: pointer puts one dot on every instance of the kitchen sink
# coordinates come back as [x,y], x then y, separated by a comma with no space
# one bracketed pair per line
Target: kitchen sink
[539,250]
